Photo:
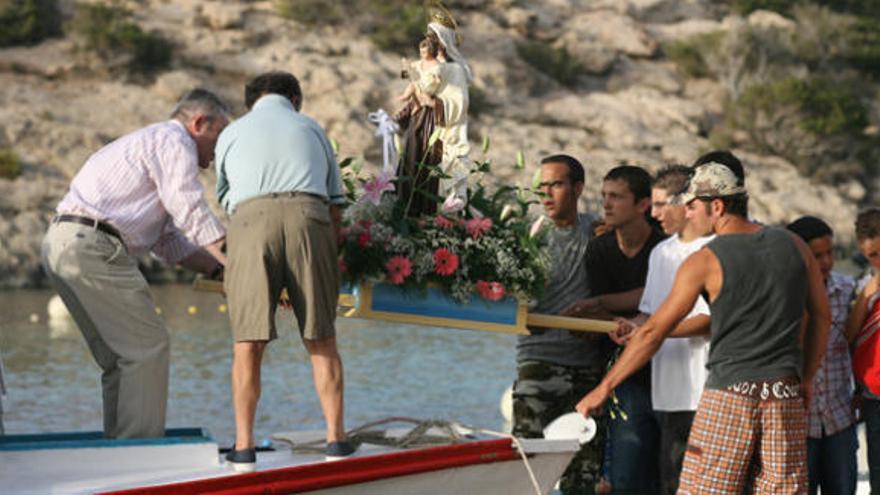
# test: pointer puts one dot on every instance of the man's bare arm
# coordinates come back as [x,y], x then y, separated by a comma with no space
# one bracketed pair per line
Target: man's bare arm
[606,306]
[694,326]
[622,302]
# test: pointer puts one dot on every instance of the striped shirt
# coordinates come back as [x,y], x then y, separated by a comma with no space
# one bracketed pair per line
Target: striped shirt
[831,408]
[145,184]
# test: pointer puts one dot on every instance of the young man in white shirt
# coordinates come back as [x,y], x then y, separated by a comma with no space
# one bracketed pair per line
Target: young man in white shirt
[678,370]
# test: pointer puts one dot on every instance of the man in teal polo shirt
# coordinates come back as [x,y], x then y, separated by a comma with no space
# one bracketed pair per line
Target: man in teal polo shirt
[278,178]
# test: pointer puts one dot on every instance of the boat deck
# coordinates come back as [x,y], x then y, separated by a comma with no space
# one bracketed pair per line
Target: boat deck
[84,463]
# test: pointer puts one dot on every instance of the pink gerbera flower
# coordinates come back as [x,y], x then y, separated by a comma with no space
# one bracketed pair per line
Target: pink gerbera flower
[399,267]
[445,262]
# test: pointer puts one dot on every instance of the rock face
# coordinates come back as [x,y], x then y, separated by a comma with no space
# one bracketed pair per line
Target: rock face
[630,105]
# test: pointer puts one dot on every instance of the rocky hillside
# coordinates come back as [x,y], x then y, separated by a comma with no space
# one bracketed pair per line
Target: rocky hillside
[587,77]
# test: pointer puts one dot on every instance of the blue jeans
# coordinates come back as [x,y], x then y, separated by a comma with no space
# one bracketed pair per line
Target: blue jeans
[871,413]
[831,462]
[632,455]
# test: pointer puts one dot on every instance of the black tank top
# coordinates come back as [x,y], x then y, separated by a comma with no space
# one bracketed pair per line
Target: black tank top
[757,315]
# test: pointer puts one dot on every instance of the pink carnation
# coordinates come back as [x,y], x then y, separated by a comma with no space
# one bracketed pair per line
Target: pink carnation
[399,267]
[476,227]
[445,262]
[364,239]
[443,223]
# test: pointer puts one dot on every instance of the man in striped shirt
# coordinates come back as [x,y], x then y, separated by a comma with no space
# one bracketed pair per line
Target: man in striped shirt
[139,194]
[831,434]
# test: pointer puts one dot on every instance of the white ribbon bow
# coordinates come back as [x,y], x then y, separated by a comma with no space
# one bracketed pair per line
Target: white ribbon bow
[386,129]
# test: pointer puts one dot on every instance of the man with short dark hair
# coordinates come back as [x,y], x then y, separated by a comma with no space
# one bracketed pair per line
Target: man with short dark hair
[139,194]
[678,369]
[278,178]
[555,366]
[831,437]
[617,265]
[759,281]
[726,158]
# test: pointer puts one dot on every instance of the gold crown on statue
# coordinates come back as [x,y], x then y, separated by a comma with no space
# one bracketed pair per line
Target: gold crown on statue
[439,13]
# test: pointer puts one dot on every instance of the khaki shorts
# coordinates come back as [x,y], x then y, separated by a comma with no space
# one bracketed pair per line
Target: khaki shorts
[283,240]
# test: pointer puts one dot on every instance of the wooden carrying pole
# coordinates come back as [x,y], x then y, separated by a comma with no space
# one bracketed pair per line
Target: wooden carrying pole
[532,319]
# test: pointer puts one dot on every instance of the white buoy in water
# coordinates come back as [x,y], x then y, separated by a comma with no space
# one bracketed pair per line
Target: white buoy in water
[60,321]
[56,309]
[507,405]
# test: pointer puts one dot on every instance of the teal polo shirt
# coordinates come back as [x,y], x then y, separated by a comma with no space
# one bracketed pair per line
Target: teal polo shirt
[271,149]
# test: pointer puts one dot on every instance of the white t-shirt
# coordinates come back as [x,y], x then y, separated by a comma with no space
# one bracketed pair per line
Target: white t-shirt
[678,370]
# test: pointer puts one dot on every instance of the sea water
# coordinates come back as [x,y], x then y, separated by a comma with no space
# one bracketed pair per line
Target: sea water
[390,370]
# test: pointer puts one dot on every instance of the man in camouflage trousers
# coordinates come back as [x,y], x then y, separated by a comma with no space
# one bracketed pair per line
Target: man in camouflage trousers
[556,367]
[542,393]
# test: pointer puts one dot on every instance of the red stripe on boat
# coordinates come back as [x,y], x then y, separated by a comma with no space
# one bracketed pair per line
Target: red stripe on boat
[352,471]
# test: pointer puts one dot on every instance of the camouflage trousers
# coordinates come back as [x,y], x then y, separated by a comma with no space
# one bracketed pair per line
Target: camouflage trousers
[542,392]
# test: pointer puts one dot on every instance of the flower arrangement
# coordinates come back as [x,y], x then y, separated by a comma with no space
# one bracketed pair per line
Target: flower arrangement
[484,243]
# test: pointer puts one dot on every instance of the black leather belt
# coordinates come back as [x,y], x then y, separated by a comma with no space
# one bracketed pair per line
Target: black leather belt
[91,222]
[294,194]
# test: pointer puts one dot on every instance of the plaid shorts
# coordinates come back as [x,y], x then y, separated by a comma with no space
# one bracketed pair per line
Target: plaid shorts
[737,440]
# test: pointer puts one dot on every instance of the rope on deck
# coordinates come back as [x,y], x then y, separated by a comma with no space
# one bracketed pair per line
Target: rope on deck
[417,437]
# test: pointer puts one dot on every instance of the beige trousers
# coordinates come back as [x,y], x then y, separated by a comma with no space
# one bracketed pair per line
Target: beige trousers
[111,303]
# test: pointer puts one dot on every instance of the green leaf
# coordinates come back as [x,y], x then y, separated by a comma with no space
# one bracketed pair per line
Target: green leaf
[520,160]
[334,145]
[485,144]
[536,179]
[345,163]
[434,137]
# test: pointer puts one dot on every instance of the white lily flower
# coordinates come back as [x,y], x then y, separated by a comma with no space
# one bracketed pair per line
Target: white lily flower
[452,204]
[537,225]
[506,212]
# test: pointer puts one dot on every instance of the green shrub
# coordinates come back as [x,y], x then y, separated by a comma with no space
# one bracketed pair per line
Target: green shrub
[392,25]
[863,46]
[554,62]
[829,107]
[10,165]
[857,7]
[689,55]
[27,22]
[746,7]
[397,26]
[313,12]
[823,107]
[786,7]
[106,30]
[811,122]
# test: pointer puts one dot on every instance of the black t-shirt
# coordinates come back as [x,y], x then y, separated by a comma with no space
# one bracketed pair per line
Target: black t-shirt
[610,272]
